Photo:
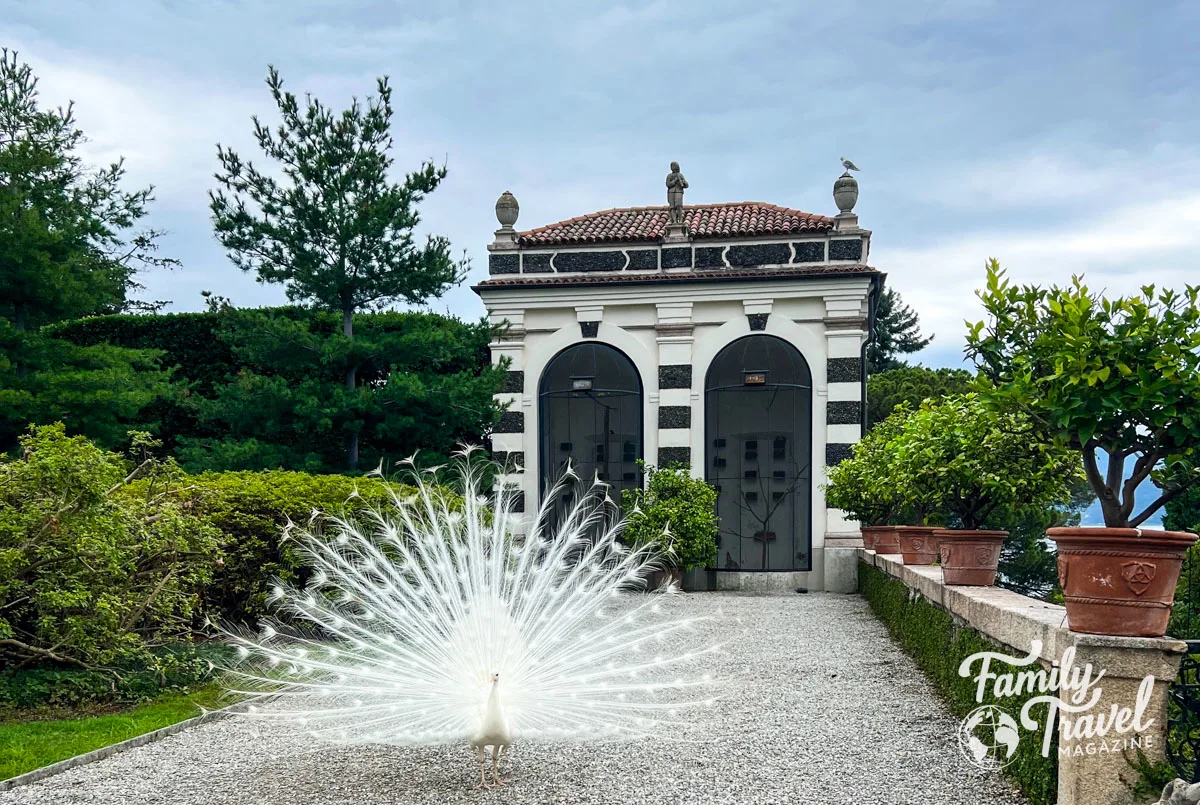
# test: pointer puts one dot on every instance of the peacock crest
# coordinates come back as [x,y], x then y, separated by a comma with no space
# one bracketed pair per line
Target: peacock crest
[429,622]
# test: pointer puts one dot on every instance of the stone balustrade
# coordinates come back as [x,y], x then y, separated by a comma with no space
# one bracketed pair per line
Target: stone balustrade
[1015,621]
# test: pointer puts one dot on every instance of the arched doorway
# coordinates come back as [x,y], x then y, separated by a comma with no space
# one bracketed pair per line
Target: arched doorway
[590,403]
[758,432]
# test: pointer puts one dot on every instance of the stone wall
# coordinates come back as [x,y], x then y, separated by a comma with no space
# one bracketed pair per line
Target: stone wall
[1016,621]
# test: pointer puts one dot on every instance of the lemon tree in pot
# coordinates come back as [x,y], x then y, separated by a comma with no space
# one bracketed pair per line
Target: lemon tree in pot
[1117,380]
[963,460]
[679,512]
[859,486]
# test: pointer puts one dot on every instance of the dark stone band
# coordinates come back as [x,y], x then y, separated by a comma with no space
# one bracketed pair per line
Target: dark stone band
[844,370]
[758,321]
[709,257]
[514,382]
[674,416]
[845,249]
[758,255]
[589,329]
[643,260]
[503,264]
[675,376]
[677,258]
[837,452]
[589,261]
[518,503]
[843,412]
[510,422]
[674,455]
[810,251]
[536,263]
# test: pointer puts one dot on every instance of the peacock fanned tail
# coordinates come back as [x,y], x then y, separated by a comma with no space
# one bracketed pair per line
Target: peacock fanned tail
[410,610]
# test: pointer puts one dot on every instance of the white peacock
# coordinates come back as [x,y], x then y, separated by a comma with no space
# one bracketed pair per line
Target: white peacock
[434,625]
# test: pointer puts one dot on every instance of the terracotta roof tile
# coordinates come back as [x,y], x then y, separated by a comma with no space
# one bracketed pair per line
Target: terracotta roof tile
[549,280]
[638,224]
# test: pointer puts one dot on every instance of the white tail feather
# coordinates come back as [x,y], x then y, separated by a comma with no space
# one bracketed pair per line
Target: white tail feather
[413,609]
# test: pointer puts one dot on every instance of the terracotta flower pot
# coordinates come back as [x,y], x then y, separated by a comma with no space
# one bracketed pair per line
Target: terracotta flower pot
[883,538]
[918,545]
[969,558]
[1119,581]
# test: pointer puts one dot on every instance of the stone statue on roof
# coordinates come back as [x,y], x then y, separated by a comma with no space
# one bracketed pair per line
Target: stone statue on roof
[676,184]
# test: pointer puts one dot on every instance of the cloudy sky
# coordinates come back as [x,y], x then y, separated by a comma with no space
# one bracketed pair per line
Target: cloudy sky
[1058,141]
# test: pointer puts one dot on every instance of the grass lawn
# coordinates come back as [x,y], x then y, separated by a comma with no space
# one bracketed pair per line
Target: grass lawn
[28,745]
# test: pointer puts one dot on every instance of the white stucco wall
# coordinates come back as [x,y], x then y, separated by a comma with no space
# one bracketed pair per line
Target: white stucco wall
[823,316]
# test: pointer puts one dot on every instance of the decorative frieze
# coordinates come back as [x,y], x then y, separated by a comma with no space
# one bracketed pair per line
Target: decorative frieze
[675,376]
[709,257]
[844,370]
[589,261]
[514,382]
[674,455]
[503,264]
[510,422]
[674,416]
[849,249]
[761,254]
[809,251]
[642,259]
[836,453]
[536,263]
[677,258]
[844,412]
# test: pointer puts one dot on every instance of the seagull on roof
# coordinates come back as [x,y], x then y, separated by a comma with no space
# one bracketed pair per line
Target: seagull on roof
[848,165]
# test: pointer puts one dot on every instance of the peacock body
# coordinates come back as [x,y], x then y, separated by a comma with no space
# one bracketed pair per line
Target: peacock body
[429,623]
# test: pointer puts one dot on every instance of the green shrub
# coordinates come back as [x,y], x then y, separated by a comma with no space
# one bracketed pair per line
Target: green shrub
[687,506]
[929,635]
[251,509]
[89,574]
[860,485]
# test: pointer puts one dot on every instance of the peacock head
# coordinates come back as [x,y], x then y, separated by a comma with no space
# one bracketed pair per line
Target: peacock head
[495,676]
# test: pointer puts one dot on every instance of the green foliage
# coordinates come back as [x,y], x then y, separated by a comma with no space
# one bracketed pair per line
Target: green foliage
[860,485]
[676,511]
[91,576]
[67,248]
[967,460]
[254,390]
[897,332]
[911,385]
[251,509]
[930,636]
[333,229]
[1120,376]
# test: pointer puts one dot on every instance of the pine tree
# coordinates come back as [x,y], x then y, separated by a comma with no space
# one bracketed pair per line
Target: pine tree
[333,228]
[897,332]
[68,248]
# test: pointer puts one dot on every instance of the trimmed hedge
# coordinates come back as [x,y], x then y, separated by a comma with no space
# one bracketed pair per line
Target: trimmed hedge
[251,509]
[930,636]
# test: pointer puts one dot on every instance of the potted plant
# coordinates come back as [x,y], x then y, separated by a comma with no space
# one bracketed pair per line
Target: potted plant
[1115,380]
[679,512]
[959,458]
[860,487]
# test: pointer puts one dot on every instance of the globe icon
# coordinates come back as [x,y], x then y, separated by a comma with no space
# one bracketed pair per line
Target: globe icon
[988,737]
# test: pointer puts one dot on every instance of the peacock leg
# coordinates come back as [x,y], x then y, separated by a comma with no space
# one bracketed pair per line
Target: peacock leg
[496,750]
[482,755]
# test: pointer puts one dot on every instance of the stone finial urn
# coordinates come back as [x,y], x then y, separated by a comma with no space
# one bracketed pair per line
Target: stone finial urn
[845,192]
[507,209]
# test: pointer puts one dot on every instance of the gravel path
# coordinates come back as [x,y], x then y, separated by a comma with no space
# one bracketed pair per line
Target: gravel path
[822,710]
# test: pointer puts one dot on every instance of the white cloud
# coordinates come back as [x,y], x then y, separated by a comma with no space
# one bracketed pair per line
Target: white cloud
[1118,252]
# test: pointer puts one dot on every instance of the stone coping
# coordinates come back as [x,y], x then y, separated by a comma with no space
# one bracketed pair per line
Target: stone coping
[1015,620]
